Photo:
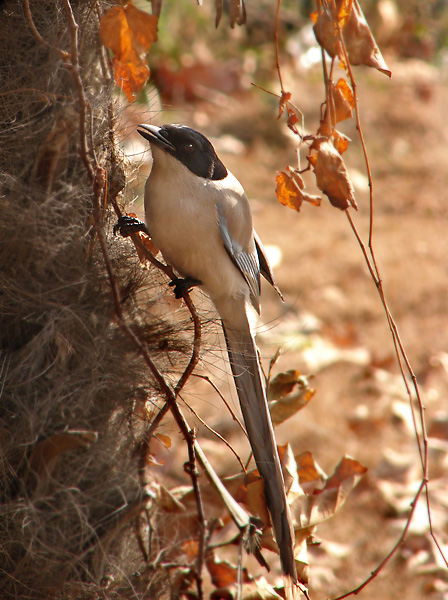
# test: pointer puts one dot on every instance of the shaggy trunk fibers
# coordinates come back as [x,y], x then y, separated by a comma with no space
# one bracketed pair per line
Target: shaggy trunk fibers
[73,389]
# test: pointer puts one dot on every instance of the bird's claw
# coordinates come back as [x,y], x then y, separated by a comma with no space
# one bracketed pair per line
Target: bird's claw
[183,285]
[127,225]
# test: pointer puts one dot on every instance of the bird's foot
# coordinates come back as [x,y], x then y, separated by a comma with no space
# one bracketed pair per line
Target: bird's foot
[127,225]
[183,285]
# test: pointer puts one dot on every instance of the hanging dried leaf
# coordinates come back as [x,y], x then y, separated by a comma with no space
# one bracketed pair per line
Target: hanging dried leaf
[129,33]
[293,119]
[340,141]
[290,192]
[332,176]
[289,393]
[284,99]
[358,39]
[237,12]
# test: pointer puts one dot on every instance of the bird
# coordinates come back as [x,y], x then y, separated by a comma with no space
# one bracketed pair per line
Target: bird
[198,216]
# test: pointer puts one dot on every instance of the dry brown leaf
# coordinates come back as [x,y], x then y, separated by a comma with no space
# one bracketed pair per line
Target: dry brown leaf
[290,194]
[332,176]
[46,453]
[223,573]
[287,192]
[259,589]
[153,461]
[359,41]
[293,119]
[289,469]
[343,99]
[340,141]
[307,470]
[129,33]
[164,439]
[256,498]
[339,107]
[288,393]
[191,549]
[309,510]
[284,99]
[166,501]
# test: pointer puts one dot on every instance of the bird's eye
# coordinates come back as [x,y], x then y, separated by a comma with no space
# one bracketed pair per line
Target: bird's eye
[188,148]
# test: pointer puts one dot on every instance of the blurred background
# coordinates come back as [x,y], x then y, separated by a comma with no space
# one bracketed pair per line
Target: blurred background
[332,325]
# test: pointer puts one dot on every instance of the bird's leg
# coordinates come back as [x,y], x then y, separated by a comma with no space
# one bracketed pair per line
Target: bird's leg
[127,225]
[182,285]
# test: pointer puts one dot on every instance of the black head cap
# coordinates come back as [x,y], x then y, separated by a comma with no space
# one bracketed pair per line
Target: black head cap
[189,146]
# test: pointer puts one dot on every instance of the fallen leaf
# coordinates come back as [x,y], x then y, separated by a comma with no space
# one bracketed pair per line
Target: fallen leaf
[223,573]
[166,501]
[288,392]
[307,470]
[256,498]
[311,509]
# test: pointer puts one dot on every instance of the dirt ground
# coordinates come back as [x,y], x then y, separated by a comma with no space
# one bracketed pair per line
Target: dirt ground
[333,326]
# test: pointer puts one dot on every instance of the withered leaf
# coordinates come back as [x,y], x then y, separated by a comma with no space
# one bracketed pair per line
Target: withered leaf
[332,176]
[223,573]
[340,141]
[308,470]
[289,469]
[359,41]
[46,453]
[284,99]
[129,33]
[256,498]
[289,192]
[312,509]
[164,439]
[166,501]
[288,393]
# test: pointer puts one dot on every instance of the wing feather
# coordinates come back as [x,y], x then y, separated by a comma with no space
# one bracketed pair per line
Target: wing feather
[246,262]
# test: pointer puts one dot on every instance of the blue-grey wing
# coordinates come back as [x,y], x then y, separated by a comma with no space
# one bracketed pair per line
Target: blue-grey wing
[245,261]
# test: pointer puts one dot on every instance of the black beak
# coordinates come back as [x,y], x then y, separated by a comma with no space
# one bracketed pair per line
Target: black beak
[153,134]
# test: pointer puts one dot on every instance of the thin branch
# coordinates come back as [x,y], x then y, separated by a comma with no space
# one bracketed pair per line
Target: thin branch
[72,64]
[398,543]
[190,468]
[399,348]
[218,435]
[277,58]
[223,398]
[64,55]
